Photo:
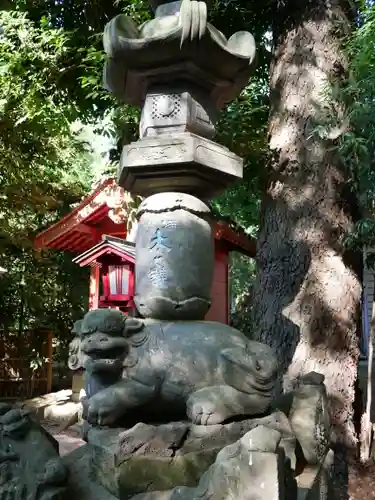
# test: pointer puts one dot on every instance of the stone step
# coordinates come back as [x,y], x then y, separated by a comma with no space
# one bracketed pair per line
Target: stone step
[56,407]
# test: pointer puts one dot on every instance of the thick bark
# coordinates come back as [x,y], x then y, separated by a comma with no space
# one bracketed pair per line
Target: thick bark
[307,294]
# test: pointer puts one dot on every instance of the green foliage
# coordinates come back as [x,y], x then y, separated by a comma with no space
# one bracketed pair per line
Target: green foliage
[357,145]
[41,160]
[243,128]
[242,279]
[44,167]
[242,275]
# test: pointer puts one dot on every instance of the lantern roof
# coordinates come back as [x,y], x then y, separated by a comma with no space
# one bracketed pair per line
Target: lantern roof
[110,245]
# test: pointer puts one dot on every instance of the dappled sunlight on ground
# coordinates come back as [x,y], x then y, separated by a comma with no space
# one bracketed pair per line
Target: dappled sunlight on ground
[361,481]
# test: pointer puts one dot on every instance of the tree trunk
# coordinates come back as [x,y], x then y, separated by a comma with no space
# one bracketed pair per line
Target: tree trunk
[307,294]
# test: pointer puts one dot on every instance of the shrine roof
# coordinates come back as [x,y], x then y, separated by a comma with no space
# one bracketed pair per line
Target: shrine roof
[83,228]
[109,245]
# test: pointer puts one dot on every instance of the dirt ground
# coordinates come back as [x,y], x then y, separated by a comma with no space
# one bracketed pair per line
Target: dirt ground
[362,477]
[361,481]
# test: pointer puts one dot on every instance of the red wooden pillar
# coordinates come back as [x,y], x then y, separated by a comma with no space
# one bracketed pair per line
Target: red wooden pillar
[219,310]
[94,287]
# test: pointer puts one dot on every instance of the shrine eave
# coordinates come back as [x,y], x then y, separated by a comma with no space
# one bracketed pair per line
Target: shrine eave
[235,239]
[83,227]
[125,250]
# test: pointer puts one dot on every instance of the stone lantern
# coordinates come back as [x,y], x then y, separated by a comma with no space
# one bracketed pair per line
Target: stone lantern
[180,70]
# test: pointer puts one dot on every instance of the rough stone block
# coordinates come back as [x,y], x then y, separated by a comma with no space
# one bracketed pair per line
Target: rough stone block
[309,418]
[183,163]
[266,477]
[150,458]
[315,482]
[142,460]
[80,483]
[252,468]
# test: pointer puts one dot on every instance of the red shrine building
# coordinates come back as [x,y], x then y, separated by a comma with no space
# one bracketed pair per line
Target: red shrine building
[96,236]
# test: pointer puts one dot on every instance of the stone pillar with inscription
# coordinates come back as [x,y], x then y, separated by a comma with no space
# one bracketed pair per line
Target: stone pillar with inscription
[180,71]
[174,256]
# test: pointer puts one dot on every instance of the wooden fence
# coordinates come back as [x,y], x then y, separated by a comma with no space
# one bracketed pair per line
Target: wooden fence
[25,364]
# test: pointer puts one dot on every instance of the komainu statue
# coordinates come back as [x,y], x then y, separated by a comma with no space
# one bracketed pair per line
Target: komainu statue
[209,371]
[30,466]
[179,410]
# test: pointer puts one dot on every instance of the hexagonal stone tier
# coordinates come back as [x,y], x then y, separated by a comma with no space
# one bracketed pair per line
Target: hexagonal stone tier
[183,162]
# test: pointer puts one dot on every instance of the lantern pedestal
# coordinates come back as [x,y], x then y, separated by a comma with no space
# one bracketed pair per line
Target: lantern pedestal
[182,162]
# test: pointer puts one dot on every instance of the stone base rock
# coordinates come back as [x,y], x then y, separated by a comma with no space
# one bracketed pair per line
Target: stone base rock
[150,458]
[181,461]
[80,483]
[253,468]
[315,482]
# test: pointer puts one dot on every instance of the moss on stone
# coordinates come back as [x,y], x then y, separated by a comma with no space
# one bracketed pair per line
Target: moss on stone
[141,474]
